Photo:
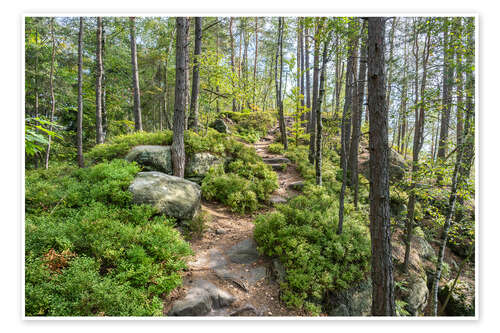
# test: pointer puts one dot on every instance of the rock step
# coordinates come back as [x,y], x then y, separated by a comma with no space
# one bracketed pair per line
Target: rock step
[276,167]
[276,199]
[202,298]
[276,160]
[299,185]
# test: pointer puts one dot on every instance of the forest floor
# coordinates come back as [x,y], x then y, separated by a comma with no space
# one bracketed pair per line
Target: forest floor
[251,280]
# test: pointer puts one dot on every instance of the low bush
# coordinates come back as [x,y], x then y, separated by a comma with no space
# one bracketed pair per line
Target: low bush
[89,251]
[276,148]
[302,233]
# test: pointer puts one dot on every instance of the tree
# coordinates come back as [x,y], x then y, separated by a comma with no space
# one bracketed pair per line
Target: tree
[279,101]
[356,116]
[418,137]
[380,224]
[135,77]
[79,121]
[99,137]
[315,87]
[193,112]
[51,87]
[178,153]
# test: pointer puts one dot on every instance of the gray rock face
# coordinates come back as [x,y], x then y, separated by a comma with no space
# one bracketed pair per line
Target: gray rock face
[417,294]
[201,298]
[356,301]
[424,248]
[278,270]
[244,252]
[152,158]
[220,126]
[276,160]
[170,195]
[298,186]
[397,167]
[199,164]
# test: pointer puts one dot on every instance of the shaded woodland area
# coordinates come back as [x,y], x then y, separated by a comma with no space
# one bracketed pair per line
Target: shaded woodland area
[344,145]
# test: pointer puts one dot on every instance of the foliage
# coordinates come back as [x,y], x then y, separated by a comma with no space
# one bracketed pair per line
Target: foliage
[90,251]
[276,148]
[35,133]
[302,233]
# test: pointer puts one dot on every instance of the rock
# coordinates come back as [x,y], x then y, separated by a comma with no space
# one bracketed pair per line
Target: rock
[276,160]
[213,258]
[152,158]
[277,167]
[220,126]
[459,304]
[245,310]
[425,250]
[244,252]
[278,270]
[298,186]
[170,195]
[416,294]
[199,164]
[276,199]
[220,231]
[397,167]
[356,301]
[201,298]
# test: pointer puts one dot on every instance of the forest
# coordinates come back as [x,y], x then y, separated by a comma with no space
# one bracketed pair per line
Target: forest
[249,166]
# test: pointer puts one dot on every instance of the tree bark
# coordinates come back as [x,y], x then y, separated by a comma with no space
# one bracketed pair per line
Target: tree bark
[380,224]
[233,63]
[79,117]
[312,113]
[356,116]
[302,69]
[135,77]
[178,152]
[104,112]
[308,75]
[52,96]
[255,61]
[279,102]
[418,140]
[193,113]
[98,84]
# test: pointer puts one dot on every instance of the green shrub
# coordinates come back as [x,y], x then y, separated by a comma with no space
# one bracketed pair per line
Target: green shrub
[276,148]
[302,233]
[90,251]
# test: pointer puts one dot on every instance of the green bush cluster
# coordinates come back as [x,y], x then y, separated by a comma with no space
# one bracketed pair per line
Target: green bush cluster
[276,148]
[89,251]
[251,125]
[302,233]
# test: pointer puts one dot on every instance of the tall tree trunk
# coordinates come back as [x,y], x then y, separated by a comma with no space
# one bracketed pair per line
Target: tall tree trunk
[178,152]
[279,101]
[98,84]
[193,113]
[255,61]
[302,68]
[52,96]
[356,116]
[233,63]
[418,140]
[36,112]
[346,118]
[104,112]
[135,78]
[390,62]
[308,75]
[312,117]
[79,117]
[380,223]
[319,125]
[447,89]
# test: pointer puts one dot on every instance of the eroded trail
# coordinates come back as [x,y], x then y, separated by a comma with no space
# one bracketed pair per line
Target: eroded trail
[227,276]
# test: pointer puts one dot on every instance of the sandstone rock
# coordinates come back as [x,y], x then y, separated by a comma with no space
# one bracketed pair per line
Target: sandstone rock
[199,164]
[298,186]
[244,252]
[276,199]
[220,126]
[276,160]
[356,301]
[170,195]
[152,158]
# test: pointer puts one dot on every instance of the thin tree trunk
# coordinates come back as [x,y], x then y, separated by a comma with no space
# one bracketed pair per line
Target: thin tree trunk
[308,76]
[98,85]
[279,52]
[255,61]
[135,77]
[104,112]
[79,118]
[312,117]
[390,61]
[52,96]
[380,223]
[178,153]
[232,59]
[302,68]
[193,113]
[418,140]
[356,116]
[346,120]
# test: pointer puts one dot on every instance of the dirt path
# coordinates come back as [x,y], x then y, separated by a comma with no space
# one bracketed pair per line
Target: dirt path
[226,257]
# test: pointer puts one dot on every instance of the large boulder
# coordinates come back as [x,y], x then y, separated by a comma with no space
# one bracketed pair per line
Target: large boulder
[416,294]
[219,125]
[356,301]
[170,195]
[199,164]
[397,166]
[201,298]
[152,158]
[159,158]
